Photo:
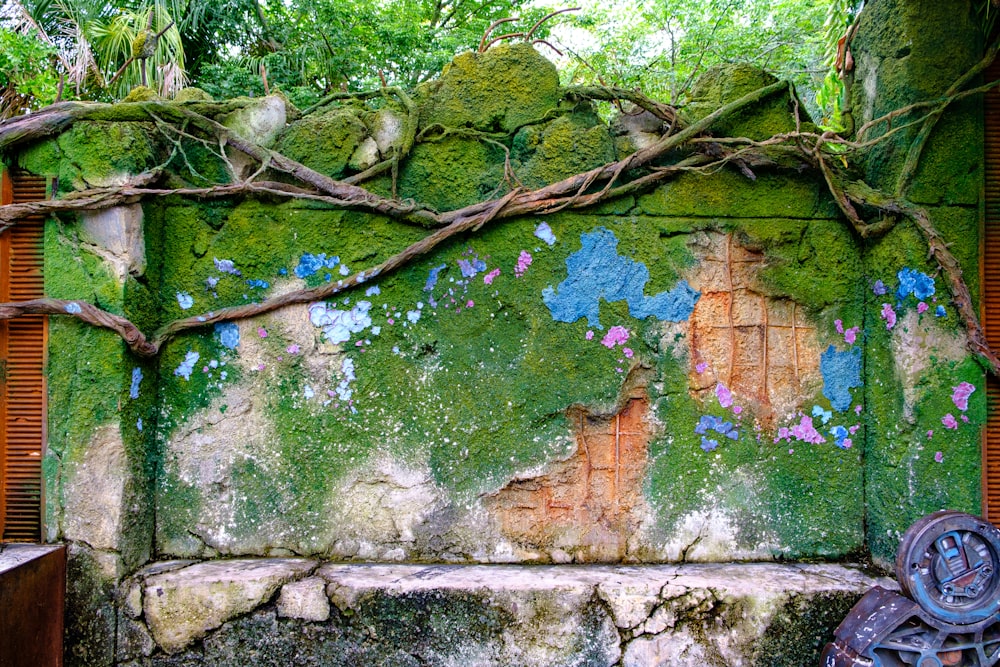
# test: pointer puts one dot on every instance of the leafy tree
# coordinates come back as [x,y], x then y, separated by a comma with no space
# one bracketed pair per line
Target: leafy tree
[27,79]
[662,46]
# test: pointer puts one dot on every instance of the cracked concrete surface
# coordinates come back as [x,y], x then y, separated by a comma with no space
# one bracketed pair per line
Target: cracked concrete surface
[346,614]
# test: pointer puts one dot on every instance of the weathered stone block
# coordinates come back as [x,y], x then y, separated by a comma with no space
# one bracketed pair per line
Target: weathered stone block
[499,90]
[183,605]
[305,600]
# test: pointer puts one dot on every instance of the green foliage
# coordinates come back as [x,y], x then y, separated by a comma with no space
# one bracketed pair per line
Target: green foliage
[663,47]
[26,79]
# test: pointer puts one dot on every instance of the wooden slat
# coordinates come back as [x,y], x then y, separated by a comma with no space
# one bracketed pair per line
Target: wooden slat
[990,306]
[22,351]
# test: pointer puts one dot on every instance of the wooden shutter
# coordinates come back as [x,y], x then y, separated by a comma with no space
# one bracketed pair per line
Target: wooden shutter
[990,302]
[22,369]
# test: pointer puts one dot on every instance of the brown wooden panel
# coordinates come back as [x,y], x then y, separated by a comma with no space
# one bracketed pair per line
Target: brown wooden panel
[32,596]
[990,305]
[22,356]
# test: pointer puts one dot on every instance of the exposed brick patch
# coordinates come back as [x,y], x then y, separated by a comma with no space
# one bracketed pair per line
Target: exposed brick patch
[762,348]
[586,505]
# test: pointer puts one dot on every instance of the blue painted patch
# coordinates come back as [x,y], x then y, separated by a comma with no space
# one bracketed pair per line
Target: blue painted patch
[938,312]
[187,366]
[73,308]
[229,334]
[916,283]
[597,271]
[824,415]
[471,268]
[839,434]
[544,232]
[841,372]
[708,445]
[138,424]
[225,266]
[432,277]
[258,284]
[310,264]
[338,325]
[184,300]
[133,391]
[717,424]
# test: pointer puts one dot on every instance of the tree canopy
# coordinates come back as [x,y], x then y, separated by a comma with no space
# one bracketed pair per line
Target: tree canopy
[309,48]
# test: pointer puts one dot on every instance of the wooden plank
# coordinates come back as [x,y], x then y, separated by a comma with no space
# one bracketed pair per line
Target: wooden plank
[23,389]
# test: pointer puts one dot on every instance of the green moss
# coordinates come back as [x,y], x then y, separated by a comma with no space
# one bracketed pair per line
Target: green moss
[192,94]
[801,628]
[142,94]
[569,145]
[323,142]
[904,481]
[816,264]
[102,153]
[496,91]
[730,194]
[727,83]
[804,502]
[959,227]
[919,53]
[452,173]
[41,157]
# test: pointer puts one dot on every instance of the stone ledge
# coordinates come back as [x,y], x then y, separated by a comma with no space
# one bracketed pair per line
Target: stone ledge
[342,614]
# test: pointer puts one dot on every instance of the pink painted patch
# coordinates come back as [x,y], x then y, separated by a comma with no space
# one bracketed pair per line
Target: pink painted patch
[737,409]
[627,351]
[523,262]
[839,324]
[262,332]
[949,421]
[930,434]
[857,409]
[922,307]
[616,336]
[847,443]
[700,367]
[590,335]
[806,432]
[960,395]
[292,349]
[851,335]
[391,321]
[470,304]
[889,315]
[260,367]
[965,418]
[939,457]
[491,276]
[724,395]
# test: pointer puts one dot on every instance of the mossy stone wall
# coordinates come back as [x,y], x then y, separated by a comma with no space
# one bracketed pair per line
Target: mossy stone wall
[918,459]
[702,372]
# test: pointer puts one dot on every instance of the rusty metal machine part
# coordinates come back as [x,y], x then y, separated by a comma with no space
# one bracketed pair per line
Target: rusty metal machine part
[947,563]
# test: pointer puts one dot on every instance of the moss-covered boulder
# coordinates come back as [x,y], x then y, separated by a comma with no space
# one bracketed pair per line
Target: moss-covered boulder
[726,83]
[324,142]
[569,145]
[496,91]
[192,95]
[452,173]
[142,94]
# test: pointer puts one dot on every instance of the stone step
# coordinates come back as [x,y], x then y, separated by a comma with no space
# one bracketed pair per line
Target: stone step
[264,612]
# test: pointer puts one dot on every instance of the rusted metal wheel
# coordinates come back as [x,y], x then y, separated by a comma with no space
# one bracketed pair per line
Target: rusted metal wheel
[947,563]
